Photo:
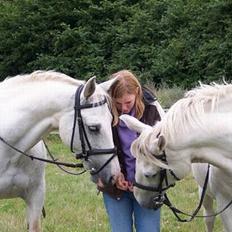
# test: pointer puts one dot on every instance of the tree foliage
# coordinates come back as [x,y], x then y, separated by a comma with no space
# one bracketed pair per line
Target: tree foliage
[175,42]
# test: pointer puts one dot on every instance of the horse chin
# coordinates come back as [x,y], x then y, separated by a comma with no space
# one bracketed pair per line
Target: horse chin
[109,182]
[157,205]
[147,200]
[150,204]
[94,179]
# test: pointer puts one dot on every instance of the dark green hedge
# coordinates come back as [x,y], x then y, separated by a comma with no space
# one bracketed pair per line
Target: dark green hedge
[177,42]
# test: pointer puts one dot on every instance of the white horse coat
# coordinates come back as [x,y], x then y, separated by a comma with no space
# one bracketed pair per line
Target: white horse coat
[219,189]
[197,128]
[32,106]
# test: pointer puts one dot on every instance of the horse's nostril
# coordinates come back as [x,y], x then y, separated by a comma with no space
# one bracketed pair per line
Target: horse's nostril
[158,201]
[157,205]
[150,175]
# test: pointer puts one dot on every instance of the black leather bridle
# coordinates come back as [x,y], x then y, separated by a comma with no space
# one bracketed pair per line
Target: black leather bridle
[162,197]
[163,182]
[86,147]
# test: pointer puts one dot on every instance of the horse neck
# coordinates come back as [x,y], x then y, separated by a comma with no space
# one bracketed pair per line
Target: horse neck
[38,107]
[216,156]
[211,144]
[43,99]
[199,130]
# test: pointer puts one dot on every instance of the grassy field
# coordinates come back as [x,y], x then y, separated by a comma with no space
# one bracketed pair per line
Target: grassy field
[72,203]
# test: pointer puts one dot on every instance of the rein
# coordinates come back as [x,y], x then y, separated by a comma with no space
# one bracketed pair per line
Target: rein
[163,198]
[53,161]
[192,216]
[60,167]
[83,137]
[158,200]
[163,177]
[177,211]
[85,154]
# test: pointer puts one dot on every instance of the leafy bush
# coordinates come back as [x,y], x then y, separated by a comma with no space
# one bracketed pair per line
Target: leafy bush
[174,42]
[168,96]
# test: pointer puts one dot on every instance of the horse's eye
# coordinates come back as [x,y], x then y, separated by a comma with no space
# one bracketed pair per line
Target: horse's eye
[94,128]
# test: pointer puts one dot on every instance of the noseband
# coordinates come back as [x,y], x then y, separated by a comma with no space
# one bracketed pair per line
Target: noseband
[163,182]
[86,153]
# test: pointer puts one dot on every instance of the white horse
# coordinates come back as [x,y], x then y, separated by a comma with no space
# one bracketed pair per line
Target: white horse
[32,106]
[218,186]
[196,129]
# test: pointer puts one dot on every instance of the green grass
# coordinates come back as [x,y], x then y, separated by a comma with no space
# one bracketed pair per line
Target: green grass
[72,203]
[167,96]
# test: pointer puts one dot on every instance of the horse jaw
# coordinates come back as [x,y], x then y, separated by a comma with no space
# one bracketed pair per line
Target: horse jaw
[65,131]
[133,123]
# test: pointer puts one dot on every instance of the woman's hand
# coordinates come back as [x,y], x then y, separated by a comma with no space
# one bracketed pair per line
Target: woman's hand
[130,186]
[100,184]
[122,184]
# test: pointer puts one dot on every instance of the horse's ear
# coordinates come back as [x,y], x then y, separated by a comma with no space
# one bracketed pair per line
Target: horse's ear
[107,84]
[89,87]
[161,142]
[133,123]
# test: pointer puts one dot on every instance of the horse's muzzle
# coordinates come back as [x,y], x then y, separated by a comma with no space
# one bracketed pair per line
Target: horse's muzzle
[153,202]
[158,201]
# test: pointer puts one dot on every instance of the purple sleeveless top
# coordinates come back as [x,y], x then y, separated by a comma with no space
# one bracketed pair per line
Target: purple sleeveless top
[126,137]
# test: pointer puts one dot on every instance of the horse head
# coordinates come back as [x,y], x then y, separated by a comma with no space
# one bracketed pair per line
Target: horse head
[153,176]
[88,130]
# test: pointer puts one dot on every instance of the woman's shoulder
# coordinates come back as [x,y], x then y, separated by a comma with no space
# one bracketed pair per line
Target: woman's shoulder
[148,96]
[152,105]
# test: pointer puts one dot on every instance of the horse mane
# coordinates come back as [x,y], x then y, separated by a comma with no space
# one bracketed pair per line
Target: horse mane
[186,114]
[209,90]
[50,75]
[141,146]
[41,75]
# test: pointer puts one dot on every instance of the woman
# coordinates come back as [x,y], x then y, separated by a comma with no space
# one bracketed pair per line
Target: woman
[122,208]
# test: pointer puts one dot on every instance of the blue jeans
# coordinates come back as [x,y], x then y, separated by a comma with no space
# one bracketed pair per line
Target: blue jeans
[126,212]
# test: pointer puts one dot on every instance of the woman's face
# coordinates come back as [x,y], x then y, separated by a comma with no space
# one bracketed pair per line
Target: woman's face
[125,103]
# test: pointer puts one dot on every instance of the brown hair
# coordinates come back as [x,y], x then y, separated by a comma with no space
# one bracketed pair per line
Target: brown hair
[127,83]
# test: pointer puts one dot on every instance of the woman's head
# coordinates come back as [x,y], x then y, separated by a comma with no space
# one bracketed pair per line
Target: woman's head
[126,94]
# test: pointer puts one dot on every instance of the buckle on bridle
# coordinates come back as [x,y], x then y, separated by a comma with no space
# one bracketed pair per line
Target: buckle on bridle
[159,200]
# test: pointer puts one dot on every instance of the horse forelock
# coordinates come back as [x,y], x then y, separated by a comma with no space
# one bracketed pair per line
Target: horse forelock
[187,113]
[41,76]
[141,147]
